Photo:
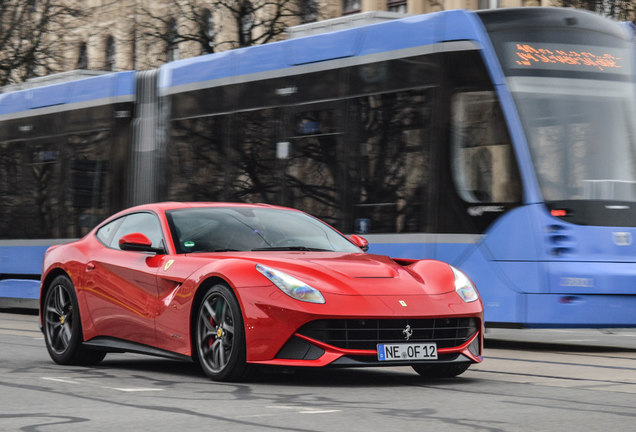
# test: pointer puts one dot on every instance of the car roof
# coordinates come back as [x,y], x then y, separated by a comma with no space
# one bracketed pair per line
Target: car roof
[173,205]
[162,207]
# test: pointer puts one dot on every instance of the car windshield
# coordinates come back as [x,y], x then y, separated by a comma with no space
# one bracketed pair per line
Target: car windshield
[222,229]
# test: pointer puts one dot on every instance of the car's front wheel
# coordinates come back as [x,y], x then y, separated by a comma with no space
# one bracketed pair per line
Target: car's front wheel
[219,335]
[62,326]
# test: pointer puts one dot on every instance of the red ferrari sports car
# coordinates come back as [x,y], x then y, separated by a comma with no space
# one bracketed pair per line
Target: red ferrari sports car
[231,286]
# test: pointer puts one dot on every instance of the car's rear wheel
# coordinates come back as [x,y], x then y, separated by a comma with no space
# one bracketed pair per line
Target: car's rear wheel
[449,370]
[63,328]
[219,335]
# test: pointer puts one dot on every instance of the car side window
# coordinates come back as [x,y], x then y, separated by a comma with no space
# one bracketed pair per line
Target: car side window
[105,233]
[144,223]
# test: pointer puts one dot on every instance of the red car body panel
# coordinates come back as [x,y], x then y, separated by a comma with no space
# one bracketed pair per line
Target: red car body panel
[148,299]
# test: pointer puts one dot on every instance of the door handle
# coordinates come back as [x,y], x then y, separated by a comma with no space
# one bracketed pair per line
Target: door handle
[90,266]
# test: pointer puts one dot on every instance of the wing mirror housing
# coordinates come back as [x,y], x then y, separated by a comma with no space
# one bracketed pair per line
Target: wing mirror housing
[137,242]
[359,241]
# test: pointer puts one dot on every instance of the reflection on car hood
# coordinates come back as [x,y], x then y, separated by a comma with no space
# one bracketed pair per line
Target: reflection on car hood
[356,274]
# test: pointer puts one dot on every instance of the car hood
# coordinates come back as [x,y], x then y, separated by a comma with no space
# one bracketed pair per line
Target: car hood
[358,273]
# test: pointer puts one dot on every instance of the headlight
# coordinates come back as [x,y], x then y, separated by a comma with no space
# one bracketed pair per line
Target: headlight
[291,286]
[464,287]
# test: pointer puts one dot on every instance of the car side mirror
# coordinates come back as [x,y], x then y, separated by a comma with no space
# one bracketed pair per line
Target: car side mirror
[137,242]
[359,241]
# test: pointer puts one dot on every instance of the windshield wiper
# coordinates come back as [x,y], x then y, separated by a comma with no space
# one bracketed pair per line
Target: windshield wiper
[292,248]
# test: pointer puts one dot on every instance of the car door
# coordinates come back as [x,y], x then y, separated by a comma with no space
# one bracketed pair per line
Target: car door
[122,285]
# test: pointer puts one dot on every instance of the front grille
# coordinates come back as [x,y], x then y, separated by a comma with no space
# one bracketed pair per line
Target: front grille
[365,334]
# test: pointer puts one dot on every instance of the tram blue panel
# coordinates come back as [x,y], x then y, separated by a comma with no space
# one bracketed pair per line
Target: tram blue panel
[12,102]
[329,46]
[21,260]
[262,58]
[404,33]
[104,86]
[557,310]
[582,278]
[453,252]
[47,96]
[83,90]
[447,252]
[522,276]
[506,241]
[20,288]
[402,250]
[88,89]
[198,69]
[461,25]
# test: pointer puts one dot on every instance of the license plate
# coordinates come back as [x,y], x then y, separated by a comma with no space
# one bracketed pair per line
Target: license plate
[410,351]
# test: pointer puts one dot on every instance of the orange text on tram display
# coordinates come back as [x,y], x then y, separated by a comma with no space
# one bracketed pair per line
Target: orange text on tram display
[528,55]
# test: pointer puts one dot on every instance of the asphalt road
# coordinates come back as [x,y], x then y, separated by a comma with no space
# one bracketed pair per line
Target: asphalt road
[533,385]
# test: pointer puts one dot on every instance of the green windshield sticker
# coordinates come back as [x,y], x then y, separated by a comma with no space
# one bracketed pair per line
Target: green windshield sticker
[188,244]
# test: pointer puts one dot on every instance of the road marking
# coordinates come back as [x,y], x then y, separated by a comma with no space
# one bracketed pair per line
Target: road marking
[64,380]
[301,410]
[123,389]
[21,333]
[319,411]
[140,389]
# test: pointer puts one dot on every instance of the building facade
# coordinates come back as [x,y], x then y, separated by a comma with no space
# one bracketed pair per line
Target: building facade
[117,35]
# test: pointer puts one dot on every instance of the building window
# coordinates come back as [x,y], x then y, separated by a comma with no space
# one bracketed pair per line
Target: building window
[172,41]
[488,4]
[350,6]
[308,11]
[397,6]
[109,63]
[82,57]
[247,23]
[207,31]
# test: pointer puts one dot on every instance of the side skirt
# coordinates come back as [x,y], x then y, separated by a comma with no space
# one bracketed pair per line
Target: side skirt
[108,344]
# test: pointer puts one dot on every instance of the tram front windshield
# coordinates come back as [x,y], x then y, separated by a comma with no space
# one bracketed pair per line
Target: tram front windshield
[576,101]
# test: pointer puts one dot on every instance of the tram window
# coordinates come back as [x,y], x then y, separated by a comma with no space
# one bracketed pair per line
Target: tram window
[392,163]
[316,122]
[323,85]
[254,172]
[55,187]
[87,181]
[313,171]
[393,75]
[12,166]
[484,168]
[196,160]
[42,175]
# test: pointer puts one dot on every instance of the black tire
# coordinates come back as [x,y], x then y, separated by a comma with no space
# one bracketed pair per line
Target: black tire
[63,327]
[219,335]
[449,370]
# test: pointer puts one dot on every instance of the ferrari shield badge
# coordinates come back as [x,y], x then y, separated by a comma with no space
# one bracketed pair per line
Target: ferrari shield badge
[167,265]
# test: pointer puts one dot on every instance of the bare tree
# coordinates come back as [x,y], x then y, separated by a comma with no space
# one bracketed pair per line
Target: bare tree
[223,24]
[622,10]
[29,45]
